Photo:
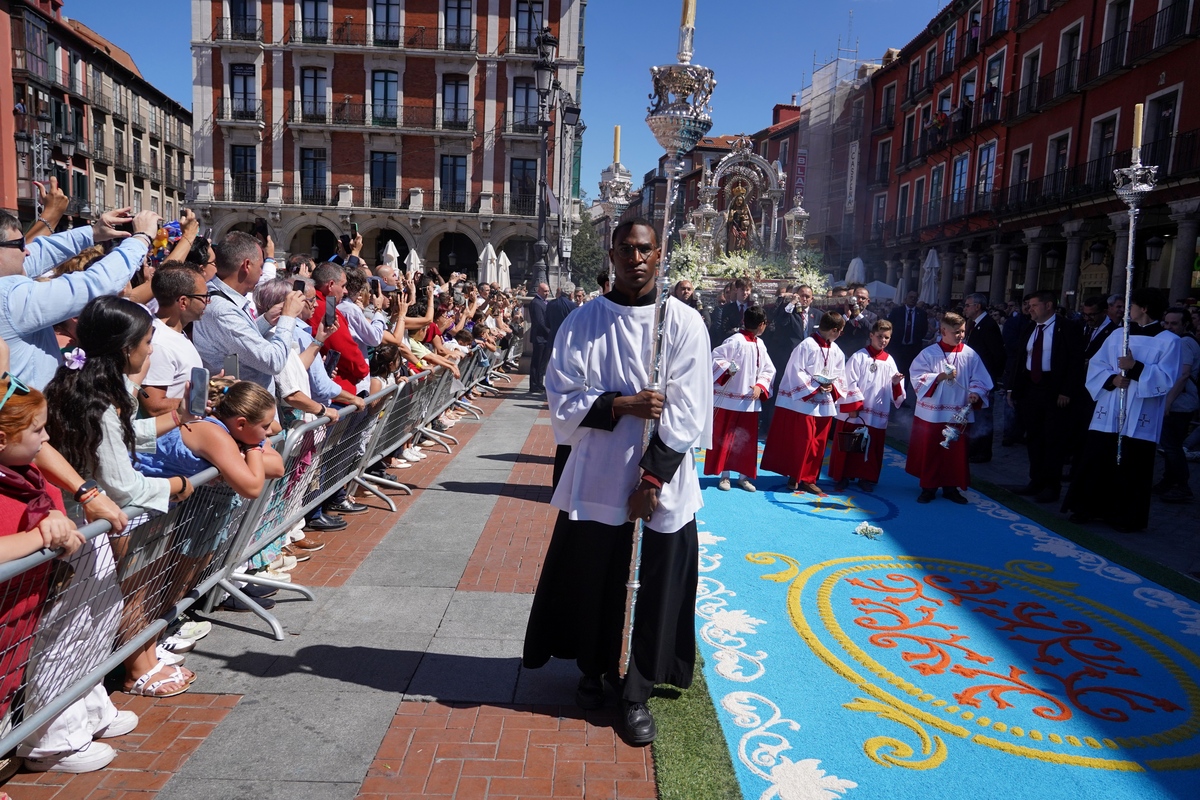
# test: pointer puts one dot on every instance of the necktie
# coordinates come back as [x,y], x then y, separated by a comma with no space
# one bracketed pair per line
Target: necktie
[908,327]
[1035,359]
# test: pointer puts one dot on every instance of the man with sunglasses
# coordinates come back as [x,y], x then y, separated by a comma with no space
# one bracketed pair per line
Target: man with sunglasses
[182,297]
[29,309]
[596,387]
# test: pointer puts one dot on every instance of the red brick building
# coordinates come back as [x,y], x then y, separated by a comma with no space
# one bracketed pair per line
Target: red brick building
[416,119]
[993,138]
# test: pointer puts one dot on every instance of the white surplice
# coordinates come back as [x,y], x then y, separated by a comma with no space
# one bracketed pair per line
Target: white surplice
[798,391]
[605,347]
[950,396]
[754,369]
[872,388]
[1160,356]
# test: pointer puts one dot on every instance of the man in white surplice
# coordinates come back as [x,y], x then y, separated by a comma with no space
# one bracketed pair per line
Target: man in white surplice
[595,387]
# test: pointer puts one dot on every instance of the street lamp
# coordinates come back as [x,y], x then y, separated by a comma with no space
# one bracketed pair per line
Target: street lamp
[1098,251]
[1154,248]
[1052,260]
[795,221]
[543,70]
[67,143]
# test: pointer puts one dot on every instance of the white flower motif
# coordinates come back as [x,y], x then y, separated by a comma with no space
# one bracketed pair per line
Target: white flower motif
[708,537]
[735,622]
[805,780]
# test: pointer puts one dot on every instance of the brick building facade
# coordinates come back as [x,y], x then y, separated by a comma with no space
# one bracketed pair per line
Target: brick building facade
[415,119]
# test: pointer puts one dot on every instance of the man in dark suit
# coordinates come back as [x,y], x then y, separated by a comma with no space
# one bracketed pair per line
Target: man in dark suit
[1045,376]
[729,320]
[557,309]
[983,336]
[1097,325]
[539,337]
[909,324]
[794,321]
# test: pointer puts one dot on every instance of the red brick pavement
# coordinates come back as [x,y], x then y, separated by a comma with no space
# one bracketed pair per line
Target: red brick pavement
[454,750]
[169,730]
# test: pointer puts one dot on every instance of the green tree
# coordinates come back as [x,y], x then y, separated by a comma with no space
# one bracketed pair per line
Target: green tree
[587,255]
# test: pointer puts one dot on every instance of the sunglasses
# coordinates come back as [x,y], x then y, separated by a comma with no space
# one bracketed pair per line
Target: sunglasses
[15,386]
[15,244]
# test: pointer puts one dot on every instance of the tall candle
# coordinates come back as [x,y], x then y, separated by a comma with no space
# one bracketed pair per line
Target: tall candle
[689,14]
[1137,126]
[616,144]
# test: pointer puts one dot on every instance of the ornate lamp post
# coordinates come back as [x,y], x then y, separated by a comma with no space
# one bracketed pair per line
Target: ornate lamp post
[680,114]
[1133,184]
[795,221]
[544,68]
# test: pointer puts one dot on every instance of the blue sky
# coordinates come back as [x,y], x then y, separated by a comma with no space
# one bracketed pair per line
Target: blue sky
[761,50]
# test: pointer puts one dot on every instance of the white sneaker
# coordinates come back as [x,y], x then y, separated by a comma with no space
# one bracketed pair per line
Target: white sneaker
[177,644]
[411,455]
[125,722]
[194,630]
[169,658]
[283,564]
[91,757]
[401,465]
[276,575]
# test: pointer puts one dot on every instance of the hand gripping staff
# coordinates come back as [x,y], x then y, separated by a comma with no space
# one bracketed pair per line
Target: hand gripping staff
[680,114]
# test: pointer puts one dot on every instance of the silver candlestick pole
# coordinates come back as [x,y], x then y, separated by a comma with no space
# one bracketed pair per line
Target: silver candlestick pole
[680,114]
[1133,184]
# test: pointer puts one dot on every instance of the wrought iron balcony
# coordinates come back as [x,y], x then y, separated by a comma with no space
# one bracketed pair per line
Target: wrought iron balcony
[309,193]
[1104,60]
[240,109]
[996,22]
[1159,32]
[98,98]
[517,204]
[385,197]
[237,29]
[242,188]
[522,120]
[1028,10]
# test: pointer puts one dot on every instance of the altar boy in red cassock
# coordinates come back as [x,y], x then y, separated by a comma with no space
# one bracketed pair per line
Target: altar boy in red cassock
[742,373]
[874,383]
[812,385]
[949,380]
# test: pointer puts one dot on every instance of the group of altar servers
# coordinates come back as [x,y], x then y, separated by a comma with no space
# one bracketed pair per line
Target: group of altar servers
[819,385]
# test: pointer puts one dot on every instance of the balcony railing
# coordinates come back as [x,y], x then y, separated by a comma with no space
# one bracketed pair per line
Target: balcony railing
[385,197]
[969,46]
[1158,31]
[237,29]
[98,98]
[1103,60]
[309,194]
[933,212]
[102,154]
[323,32]
[240,109]
[916,87]
[996,22]
[1028,10]
[240,189]
[1022,102]
[121,160]
[883,173]
[156,127]
[1059,83]
[119,107]
[453,201]
[141,169]
[523,120]
[989,111]
[383,115]
[516,204]
[885,120]
[137,120]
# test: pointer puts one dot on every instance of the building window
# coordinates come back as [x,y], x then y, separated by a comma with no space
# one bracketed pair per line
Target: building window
[902,211]
[524,186]
[137,201]
[937,179]
[985,175]
[79,186]
[880,213]
[458,24]
[456,109]
[243,90]
[98,196]
[97,133]
[315,24]
[1104,144]
[170,210]
[383,180]
[244,162]
[118,196]
[119,147]
[918,203]
[243,20]
[958,185]
[453,183]
[154,204]
[951,49]
[530,21]
[167,171]
[137,151]
[525,106]
[783,154]
[384,106]
[387,23]
[312,94]
[313,166]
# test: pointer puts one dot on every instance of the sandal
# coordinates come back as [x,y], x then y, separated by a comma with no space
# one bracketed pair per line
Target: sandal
[144,687]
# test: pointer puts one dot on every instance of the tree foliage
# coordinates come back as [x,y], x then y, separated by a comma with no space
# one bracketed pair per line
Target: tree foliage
[588,257]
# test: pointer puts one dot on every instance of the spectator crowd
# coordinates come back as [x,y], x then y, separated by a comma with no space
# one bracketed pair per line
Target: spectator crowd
[105,332]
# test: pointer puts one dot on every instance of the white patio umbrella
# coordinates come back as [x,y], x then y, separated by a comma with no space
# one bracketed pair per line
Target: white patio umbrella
[489,265]
[391,256]
[930,272]
[412,262]
[856,272]
[504,264]
[901,289]
[881,291]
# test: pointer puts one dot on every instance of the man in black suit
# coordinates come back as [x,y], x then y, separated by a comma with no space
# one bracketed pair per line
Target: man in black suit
[729,320]
[1044,378]
[1097,325]
[794,321]
[984,337]
[909,324]
[539,337]
[557,309]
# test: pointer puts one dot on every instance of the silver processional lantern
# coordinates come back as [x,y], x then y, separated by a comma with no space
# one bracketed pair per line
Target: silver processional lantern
[680,115]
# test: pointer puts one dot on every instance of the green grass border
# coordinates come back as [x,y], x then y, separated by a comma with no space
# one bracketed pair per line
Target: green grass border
[691,757]
[1101,546]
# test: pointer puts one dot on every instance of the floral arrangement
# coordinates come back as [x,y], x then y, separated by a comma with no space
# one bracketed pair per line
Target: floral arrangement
[868,530]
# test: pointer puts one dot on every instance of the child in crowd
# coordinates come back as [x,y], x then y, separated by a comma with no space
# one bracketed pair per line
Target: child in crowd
[812,384]
[742,373]
[874,380]
[949,380]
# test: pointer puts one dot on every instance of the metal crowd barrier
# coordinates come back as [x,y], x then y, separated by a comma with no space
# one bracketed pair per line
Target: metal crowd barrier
[66,623]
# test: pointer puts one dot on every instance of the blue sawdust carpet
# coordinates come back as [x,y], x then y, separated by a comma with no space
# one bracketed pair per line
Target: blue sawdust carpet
[964,652]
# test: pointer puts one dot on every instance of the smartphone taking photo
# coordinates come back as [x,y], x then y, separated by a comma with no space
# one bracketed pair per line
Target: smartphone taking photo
[331,362]
[298,286]
[197,403]
[330,313]
[230,368]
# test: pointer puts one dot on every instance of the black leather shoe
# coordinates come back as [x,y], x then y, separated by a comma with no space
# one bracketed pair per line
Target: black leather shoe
[322,522]
[589,695]
[639,724]
[345,507]
[954,496]
[927,495]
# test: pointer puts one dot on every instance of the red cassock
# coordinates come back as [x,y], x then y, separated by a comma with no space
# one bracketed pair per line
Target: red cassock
[933,464]
[735,443]
[796,444]
[849,466]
